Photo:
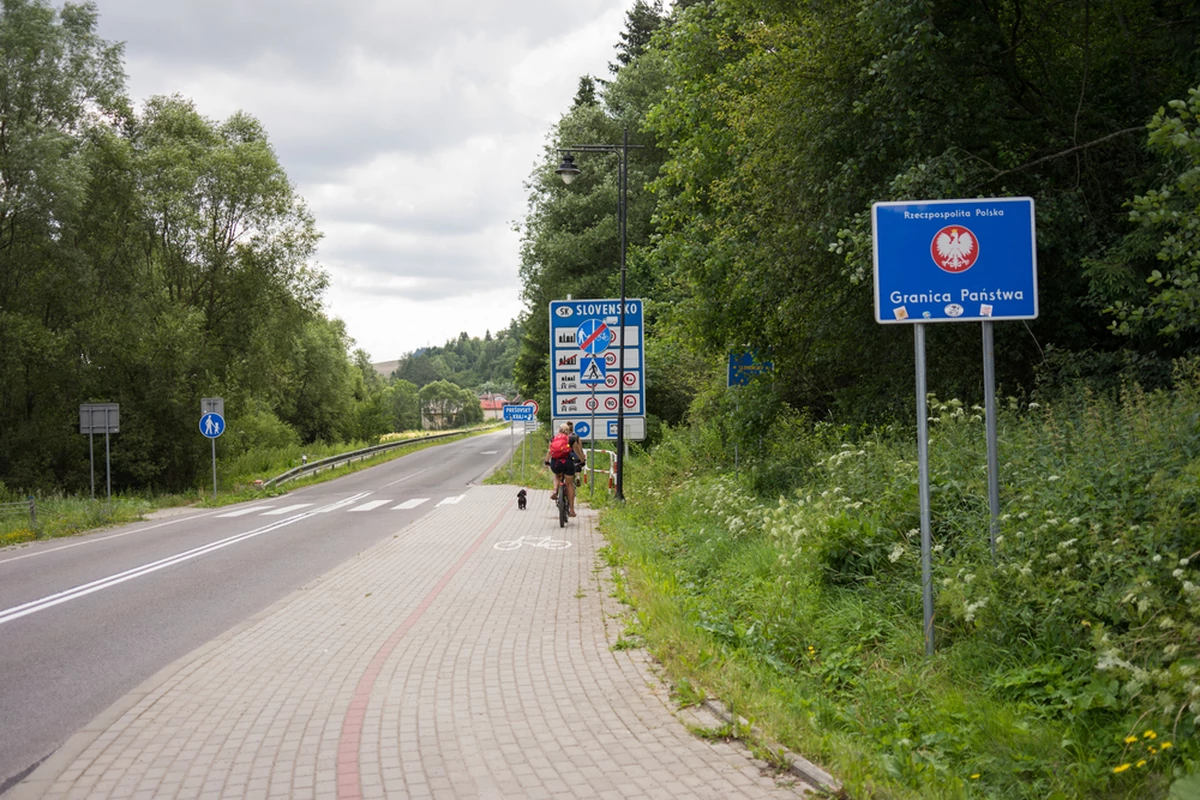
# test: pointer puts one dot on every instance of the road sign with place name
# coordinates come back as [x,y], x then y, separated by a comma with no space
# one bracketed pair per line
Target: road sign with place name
[519,413]
[585,360]
[744,367]
[212,425]
[955,260]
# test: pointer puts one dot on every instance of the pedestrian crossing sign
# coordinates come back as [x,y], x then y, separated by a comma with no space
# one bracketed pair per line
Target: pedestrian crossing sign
[592,371]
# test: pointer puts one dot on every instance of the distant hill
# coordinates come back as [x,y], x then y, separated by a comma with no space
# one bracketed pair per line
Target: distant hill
[386,368]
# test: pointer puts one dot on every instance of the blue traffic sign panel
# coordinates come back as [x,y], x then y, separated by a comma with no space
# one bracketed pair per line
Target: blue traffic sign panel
[955,260]
[593,371]
[583,429]
[212,425]
[519,413]
[743,367]
[594,336]
[588,339]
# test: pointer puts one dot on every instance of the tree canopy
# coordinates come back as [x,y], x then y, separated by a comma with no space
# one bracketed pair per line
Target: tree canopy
[772,127]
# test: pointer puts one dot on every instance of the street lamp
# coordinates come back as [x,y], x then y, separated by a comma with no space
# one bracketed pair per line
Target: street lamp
[569,172]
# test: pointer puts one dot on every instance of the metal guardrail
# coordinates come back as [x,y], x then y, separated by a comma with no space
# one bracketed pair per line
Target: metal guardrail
[357,455]
[28,506]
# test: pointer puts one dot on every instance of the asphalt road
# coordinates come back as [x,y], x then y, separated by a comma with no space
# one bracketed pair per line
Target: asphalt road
[86,619]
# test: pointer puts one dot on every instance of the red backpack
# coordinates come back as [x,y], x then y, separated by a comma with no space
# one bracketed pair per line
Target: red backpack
[560,446]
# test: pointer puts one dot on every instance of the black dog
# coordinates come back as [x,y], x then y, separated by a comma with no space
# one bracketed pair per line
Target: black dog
[521,499]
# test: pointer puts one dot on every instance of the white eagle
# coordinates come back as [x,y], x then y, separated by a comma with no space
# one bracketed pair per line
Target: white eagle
[955,248]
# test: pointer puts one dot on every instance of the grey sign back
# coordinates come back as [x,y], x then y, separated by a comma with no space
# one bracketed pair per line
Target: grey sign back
[100,418]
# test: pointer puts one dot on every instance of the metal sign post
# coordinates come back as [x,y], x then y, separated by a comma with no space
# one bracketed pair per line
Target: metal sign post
[954,261]
[993,447]
[212,425]
[923,488]
[100,418]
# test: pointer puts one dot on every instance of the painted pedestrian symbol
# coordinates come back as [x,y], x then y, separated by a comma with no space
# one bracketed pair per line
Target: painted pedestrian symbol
[592,371]
[212,425]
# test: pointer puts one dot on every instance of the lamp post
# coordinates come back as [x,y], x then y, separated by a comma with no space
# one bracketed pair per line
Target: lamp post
[569,172]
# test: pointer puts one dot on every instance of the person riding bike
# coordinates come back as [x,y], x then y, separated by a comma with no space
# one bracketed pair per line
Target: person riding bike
[565,457]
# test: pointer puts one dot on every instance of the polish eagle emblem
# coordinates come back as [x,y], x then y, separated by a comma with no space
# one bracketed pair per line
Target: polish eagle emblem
[954,248]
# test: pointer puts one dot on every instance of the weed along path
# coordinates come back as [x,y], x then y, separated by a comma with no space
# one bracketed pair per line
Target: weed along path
[444,661]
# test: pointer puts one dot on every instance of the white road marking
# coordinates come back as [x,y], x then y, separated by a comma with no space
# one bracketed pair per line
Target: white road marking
[449,501]
[285,510]
[242,511]
[84,589]
[406,477]
[489,452]
[371,505]
[407,504]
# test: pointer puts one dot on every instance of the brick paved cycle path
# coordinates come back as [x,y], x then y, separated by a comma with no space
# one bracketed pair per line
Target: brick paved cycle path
[435,664]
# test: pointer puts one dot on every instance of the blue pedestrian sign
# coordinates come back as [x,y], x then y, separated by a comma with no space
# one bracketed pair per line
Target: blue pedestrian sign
[212,425]
[955,260]
[592,371]
[594,336]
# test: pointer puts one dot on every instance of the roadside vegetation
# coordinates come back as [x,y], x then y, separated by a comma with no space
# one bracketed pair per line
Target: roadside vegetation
[1065,667]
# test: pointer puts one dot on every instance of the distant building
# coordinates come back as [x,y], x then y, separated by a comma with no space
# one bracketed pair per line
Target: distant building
[493,405]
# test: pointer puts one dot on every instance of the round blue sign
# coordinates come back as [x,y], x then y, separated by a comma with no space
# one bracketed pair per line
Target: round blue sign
[212,425]
[594,336]
[583,429]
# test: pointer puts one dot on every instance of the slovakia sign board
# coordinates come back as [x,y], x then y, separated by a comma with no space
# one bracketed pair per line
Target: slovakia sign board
[585,365]
[955,260]
[743,367]
[522,413]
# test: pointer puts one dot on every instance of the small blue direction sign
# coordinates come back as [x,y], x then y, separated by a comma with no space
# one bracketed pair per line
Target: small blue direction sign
[594,336]
[212,425]
[519,413]
[592,371]
[955,260]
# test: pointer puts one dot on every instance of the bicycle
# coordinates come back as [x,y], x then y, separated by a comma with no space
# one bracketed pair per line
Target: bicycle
[563,507]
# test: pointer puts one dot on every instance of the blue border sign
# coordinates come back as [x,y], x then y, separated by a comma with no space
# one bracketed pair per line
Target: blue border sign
[743,367]
[584,340]
[955,260]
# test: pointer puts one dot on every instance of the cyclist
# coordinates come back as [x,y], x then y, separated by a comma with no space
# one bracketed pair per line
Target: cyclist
[564,455]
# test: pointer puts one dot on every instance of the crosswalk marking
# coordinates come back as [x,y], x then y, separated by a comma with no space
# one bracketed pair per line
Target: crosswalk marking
[286,510]
[371,505]
[242,511]
[407,504]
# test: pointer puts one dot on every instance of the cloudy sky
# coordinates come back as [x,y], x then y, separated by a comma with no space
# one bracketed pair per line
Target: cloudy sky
[409,126]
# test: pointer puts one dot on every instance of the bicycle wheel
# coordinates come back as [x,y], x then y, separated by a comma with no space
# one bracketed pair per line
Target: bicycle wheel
[562,507]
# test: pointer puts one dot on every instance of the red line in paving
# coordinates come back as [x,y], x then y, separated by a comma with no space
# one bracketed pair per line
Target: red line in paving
[349,785]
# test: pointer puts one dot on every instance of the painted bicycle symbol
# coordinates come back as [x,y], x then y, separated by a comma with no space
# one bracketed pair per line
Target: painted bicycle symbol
[533,541]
